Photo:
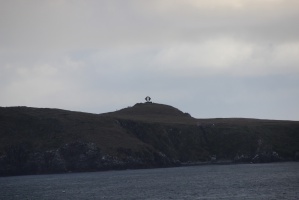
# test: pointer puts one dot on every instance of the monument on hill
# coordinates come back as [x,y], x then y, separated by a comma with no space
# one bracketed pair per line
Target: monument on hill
[148,99]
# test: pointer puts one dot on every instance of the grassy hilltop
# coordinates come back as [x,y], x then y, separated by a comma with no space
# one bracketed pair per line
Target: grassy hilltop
[42,140]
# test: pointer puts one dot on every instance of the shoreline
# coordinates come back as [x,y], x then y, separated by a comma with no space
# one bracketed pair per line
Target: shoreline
[188,164]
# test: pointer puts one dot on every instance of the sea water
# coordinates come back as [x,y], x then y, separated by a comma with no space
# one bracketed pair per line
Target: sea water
[243,181]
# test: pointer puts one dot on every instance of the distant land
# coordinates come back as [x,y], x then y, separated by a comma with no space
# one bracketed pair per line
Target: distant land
[146,135]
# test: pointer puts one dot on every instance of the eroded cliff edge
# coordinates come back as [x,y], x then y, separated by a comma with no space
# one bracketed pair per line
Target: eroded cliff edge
[41,140]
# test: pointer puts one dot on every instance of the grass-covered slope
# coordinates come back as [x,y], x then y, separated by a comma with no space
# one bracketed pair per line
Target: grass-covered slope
[50,128]
[41,140]
[153,112]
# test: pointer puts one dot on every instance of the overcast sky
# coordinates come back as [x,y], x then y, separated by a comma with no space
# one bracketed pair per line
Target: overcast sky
[210,58]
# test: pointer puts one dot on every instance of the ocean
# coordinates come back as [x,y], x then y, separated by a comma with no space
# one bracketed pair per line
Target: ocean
[242,181]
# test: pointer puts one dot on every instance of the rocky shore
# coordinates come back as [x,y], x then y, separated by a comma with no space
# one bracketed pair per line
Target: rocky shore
[80,156]
[77,157]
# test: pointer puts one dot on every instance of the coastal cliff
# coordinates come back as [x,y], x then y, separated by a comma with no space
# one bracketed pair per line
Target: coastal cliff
[146,135]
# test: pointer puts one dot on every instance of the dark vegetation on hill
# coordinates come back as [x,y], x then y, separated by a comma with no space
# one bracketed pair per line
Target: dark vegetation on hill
[42,140]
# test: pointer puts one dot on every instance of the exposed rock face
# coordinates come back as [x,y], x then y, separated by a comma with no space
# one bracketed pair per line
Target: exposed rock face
[75,157]
[264,154]
[265,157]
[79,156]
[242,158]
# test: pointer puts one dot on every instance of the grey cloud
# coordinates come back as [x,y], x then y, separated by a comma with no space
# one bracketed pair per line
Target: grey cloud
[78,24]
[209,58]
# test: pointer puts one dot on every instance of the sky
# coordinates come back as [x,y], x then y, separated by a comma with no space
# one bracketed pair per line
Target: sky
[210,58]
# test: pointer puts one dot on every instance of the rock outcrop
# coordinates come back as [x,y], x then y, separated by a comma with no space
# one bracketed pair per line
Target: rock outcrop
[77,157]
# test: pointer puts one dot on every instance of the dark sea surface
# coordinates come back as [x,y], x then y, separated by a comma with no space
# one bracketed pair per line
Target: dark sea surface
[243,181]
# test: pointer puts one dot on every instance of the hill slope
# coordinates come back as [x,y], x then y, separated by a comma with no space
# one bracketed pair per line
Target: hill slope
[153,112]
[41,140]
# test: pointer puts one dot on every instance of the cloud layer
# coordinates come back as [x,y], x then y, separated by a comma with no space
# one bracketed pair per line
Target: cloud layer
[227,58]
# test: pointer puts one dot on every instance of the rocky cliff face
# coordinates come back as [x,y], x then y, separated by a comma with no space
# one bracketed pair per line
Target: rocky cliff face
[213,142]
[76,157]
[37,141]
